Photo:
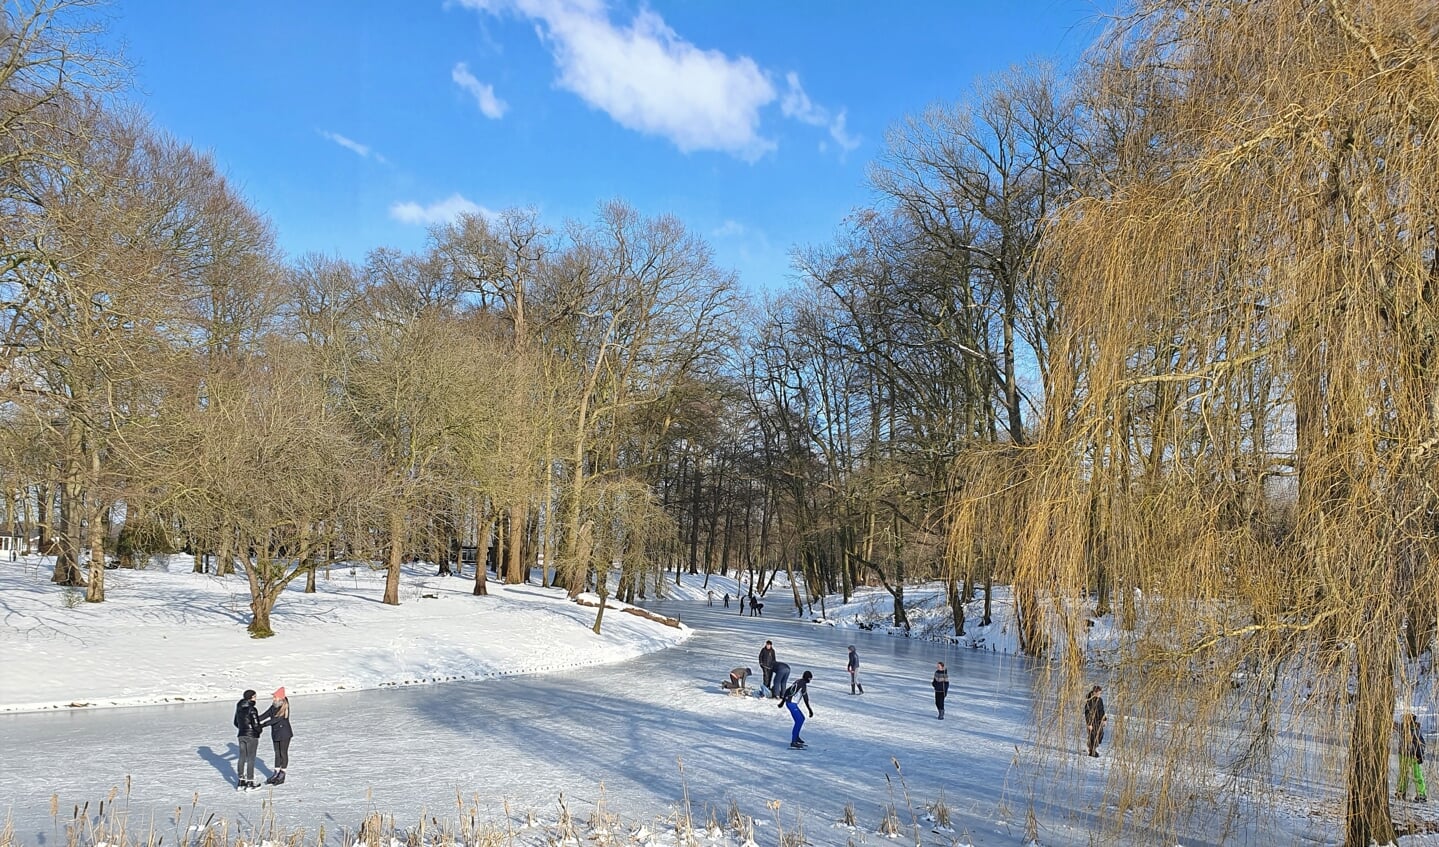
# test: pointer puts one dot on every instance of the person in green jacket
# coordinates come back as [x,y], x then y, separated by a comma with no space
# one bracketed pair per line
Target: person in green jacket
[1411,758]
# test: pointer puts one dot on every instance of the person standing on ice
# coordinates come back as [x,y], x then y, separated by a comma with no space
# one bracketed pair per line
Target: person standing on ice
[277,718]
[1411,758]
[853,667]
[941,687]
[247,721]
[726,599]
[798,691]
[780,679]
[710,596]
[766,663]
[1094,719]
[741,604]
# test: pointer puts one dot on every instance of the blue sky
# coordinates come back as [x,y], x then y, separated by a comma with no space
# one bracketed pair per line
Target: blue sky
[352,124]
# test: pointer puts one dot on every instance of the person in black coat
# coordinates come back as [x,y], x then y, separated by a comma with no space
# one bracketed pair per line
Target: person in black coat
[277,718]
[766,664]
[941,687]
[247,721]
[1094,719]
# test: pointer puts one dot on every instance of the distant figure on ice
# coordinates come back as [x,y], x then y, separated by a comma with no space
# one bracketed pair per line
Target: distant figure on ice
[1411,757]
[737,681]
[798,691]
[941,687]
[1094,719]
[247,721]
[741,604]
[853,667]
[726,599]
[277,718]
[756,608]
[766,664]
[781,677]
[710,596]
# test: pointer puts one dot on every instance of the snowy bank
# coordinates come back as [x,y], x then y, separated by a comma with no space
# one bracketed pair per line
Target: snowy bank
[165,635]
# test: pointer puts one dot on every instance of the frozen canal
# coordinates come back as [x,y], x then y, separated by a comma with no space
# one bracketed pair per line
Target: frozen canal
[522,741]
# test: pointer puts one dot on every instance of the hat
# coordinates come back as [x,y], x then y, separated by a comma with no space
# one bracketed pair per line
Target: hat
[279,693]
[249,692]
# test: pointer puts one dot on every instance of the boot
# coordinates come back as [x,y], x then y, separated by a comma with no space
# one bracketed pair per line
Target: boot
[851,688]
[861,689]
[941,714]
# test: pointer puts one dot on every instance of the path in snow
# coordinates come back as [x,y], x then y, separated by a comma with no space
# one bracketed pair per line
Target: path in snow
[524,740]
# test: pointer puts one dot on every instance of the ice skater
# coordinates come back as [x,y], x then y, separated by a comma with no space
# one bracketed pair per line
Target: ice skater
[853,667]
[1094,719]
[247,721]
[277,718]
[941,687]
[798,691]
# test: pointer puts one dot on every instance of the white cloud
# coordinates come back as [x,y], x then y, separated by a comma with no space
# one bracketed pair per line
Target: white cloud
[797,105]
[484,93]
[729,228]
[647,78]
[361,150]
[443,211]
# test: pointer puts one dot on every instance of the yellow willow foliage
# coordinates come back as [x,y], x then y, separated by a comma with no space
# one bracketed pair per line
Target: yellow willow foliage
[1238,458]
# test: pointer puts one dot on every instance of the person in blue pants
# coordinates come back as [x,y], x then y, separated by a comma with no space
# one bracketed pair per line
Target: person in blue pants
[798,691]
[779,678]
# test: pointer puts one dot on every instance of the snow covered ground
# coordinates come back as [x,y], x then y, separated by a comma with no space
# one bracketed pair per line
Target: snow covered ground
[165,635]
[648,739]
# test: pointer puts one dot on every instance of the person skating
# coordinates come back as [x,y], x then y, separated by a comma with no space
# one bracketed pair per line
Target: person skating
[941,687]
[277,718]
[247,721]
[798,691]
[710,596]
[766,664]
[1094,719]
[1411,758]
[780,679]
[726,599]
[853,667]
[741,604]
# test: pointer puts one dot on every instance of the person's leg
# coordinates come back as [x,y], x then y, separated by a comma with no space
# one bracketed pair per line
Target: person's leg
[798,717]
[1405,766]
[246,769]
[939,703]
[1421,791]
[282,754]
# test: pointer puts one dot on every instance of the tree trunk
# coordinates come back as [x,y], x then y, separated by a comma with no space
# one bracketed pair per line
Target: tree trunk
[260,606]
[1367,816]
[397,553]
[95,593]
[514,550]
[67,561]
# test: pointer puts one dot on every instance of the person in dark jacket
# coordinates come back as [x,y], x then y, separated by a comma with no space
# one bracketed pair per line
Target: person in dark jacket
[247,721]
[853,667]
[798,691]
[1094,719]
[766,664]
[1411,758]
[781,679]
[941,687]
[277,718]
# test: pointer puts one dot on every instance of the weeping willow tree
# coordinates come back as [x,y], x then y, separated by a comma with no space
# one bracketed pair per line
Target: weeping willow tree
[1242,421]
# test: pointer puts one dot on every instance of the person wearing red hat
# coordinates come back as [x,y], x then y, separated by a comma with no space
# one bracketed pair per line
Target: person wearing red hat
[277,718]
